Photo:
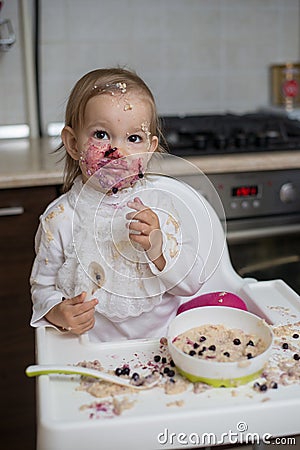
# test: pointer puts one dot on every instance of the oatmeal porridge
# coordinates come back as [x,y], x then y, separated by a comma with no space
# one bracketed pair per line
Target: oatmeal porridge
[219,343]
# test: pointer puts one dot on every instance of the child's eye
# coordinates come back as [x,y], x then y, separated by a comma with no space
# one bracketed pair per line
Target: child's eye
[134,138]
[100,134]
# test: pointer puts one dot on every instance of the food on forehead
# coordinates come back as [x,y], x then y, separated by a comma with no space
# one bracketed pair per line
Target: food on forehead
[120,87]
[219,343]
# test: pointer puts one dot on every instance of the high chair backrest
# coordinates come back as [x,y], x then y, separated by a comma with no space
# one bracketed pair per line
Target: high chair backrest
[207,228]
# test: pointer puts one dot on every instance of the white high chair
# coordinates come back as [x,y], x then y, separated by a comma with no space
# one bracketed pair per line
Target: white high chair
[61,423]
[207,227]
[219,273]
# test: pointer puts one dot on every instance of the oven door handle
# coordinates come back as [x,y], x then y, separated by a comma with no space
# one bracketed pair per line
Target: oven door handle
[271,263]
[256,233]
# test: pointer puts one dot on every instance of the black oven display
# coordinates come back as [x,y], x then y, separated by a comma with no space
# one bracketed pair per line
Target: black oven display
[244,191]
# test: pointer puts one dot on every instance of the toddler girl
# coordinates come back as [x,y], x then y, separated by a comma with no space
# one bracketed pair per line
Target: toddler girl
[113,258]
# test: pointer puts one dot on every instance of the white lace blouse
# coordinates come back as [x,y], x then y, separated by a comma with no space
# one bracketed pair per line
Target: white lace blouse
[82,244]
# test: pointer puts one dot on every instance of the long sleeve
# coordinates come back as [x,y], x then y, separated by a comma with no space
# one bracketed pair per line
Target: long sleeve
[183,273]
[52,231]
[188,237]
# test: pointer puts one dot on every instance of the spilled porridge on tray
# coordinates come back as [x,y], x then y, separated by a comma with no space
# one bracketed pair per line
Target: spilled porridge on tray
[111,400]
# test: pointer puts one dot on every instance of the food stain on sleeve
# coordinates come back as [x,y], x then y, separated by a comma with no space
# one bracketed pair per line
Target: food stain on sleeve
[52,215]
[49,236]
[59,210]
[173,221]
[173,245]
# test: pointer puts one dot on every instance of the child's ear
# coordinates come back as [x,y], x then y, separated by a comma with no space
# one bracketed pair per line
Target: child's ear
[70,142]
[154,144]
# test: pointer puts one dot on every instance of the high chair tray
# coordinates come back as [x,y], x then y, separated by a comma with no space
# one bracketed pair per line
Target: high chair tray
[72,419]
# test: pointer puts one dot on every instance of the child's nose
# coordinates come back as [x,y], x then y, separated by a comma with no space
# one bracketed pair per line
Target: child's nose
[122,149]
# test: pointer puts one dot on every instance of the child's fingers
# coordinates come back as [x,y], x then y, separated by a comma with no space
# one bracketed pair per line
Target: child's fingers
[137,205]
[140,227]
[143,213]
[138,200]
[85,307]
[78,316]
[75,300]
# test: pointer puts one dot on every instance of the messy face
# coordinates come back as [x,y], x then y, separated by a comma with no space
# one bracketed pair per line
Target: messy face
[115,143]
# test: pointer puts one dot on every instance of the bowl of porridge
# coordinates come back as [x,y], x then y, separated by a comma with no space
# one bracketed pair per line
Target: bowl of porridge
[220,346]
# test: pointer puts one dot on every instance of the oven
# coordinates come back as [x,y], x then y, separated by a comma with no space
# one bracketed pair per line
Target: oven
[262,208]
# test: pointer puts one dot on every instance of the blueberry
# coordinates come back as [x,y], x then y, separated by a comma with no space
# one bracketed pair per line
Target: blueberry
[192,352]
[296,357]
[171,373]
[236,341]
[156,358]
[125,371]
[251,343]
[263,387]
[164,360]
[195,345]
[141,175]
[295,335]
[249,355]
[285,345]
[226,354]
[202,338]
[273,385]
[212,348]
[118,371]
[200,353]
[172,364]
[114,190]
[135,376]
[166,370]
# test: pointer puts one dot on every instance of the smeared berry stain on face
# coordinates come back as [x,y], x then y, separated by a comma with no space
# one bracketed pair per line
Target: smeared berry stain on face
[112,169]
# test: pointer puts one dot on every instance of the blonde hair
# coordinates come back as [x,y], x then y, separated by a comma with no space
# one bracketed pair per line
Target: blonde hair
[94,83]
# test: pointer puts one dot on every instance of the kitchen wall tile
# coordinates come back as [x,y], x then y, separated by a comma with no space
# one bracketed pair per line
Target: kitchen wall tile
[200,93]
[244,90]
[289,34]
[53,16]
[198,56]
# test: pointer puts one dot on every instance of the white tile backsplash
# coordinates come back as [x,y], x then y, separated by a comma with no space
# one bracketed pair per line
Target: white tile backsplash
[198,56]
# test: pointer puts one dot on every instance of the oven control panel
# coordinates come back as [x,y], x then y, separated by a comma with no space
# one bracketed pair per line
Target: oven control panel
[288,193]
[251,194]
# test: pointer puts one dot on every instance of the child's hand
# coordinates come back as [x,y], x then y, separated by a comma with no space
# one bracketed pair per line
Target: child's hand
[146,223]
[74,314]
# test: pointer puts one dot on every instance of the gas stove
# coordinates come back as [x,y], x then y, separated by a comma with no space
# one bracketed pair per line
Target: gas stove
[194,135]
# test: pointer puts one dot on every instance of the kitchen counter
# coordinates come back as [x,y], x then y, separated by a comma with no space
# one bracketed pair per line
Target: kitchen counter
[25,163]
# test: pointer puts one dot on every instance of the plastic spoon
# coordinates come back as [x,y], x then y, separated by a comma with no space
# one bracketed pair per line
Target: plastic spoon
[147,382]
[97,277]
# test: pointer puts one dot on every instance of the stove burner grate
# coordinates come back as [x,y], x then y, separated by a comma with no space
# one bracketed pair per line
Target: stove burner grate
[194,135]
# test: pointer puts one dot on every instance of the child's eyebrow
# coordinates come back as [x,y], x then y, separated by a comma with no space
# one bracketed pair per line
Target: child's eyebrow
[98,124]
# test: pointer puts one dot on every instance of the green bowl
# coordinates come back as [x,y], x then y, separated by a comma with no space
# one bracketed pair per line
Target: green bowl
[219,374]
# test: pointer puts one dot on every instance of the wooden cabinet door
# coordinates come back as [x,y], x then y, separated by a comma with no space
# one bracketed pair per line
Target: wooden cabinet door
[19,215]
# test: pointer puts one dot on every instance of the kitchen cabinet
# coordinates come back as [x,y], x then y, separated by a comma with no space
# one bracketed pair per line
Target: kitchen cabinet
[19,214]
